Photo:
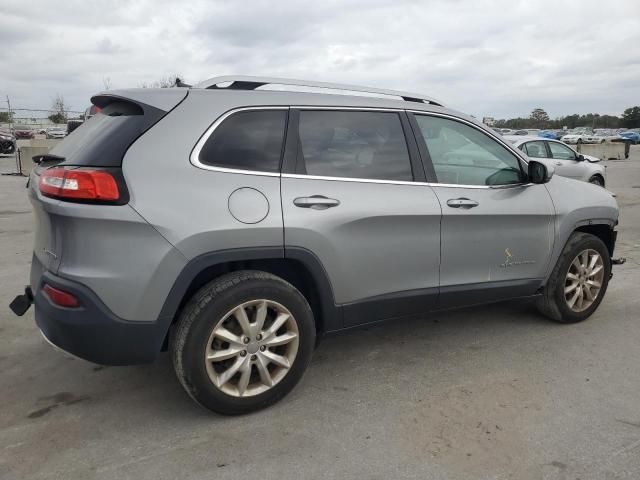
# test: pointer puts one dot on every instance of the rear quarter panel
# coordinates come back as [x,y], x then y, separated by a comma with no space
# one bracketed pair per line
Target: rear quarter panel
[188,205]
[113,251]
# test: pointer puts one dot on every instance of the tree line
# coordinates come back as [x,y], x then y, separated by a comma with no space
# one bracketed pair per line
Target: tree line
[538,118]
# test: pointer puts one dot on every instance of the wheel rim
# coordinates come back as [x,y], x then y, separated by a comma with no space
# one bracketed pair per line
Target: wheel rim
[252,348]
[584,280]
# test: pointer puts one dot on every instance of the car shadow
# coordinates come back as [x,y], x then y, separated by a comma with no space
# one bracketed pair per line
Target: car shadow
[149,391]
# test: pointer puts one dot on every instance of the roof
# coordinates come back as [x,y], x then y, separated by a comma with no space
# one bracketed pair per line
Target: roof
[246,95]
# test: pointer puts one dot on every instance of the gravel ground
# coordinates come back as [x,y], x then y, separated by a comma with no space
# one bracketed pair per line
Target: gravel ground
[493,392]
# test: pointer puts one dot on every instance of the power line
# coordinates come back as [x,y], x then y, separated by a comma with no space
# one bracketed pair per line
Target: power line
[35,110]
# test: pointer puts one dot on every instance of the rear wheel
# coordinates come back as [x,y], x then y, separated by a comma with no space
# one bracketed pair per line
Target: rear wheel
[579,280]
[243,342]
[597,180]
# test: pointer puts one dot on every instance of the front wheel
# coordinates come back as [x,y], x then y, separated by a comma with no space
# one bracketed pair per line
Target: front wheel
[243,342]
[597,180]
[579,280]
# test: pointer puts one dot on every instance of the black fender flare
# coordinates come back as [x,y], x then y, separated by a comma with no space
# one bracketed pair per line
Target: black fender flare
[332,313]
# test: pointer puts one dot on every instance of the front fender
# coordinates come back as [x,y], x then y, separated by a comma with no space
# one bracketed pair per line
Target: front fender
[577,205]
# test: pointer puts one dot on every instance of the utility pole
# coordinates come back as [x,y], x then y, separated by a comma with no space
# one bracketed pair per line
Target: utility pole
[10,114]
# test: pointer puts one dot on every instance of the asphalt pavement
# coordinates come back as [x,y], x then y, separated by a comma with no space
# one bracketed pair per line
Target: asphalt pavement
[494,392]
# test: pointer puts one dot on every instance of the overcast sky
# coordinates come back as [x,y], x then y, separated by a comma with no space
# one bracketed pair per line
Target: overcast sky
[492,58]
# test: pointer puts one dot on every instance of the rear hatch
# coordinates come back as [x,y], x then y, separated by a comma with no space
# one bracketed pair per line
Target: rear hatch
[87,163]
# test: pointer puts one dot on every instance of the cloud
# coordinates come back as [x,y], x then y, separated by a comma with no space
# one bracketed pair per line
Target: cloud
[483,57]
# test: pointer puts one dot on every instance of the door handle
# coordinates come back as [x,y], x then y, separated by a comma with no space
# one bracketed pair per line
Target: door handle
[317,202]
[462,203]
[559,164]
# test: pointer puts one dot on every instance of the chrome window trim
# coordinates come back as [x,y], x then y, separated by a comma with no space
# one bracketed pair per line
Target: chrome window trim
[195,153]
[194,158]
[361,109]
[352,179]
[400,182]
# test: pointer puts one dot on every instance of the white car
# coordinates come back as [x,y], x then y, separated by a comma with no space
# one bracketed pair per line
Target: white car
[566,161]
[581,136]
[603,135]
[56,133]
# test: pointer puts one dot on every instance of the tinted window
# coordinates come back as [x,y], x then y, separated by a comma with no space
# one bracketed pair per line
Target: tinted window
[354,145]
[561,152]
[249,140]
[463,155]
[104,138]
[535,149]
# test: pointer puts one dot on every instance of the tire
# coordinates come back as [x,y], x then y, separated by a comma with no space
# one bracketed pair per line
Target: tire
[212,308]
[597,180]
[553,303]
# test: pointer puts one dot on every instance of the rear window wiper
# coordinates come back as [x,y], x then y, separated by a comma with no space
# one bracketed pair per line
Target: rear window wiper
[47,157]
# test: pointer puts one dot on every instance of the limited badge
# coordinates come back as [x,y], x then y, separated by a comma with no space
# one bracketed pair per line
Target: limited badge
[510,262]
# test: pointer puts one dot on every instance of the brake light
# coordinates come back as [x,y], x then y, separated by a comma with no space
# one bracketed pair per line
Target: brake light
[60,297]
[79,184]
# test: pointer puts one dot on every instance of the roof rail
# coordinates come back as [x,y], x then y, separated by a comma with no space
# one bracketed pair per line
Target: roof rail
[245,82]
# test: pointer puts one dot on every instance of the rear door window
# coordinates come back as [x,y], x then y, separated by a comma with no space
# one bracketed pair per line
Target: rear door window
[249,140]
[353,144]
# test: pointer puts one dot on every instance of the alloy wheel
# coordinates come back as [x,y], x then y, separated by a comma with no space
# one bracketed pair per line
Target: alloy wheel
[584,280]
[252,348]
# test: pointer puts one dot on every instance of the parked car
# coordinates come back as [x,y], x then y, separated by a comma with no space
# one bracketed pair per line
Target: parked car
[553,134]
[567,162]
[73,124]
[7,142]
[56,132]
[630,135]
[521,132]
[604,135]
[248,222]
[579,136]
[23,132]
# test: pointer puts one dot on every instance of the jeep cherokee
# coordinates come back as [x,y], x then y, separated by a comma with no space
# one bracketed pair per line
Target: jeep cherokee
[236,221]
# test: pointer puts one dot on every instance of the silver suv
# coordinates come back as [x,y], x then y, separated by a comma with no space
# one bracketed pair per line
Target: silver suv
[235,222]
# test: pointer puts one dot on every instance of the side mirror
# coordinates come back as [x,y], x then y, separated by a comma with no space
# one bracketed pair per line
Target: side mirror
[539,172]
[580,158]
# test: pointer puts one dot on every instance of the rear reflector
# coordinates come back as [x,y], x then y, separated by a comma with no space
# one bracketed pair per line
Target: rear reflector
[60,297]
[79,184]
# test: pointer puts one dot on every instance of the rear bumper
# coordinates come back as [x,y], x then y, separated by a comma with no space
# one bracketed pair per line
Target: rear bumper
[92,332]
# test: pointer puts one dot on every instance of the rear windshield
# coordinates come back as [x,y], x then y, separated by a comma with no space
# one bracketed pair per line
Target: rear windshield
[104,138]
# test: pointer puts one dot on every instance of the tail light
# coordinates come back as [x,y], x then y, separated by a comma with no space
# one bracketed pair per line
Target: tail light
[83,184]
[60,297]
